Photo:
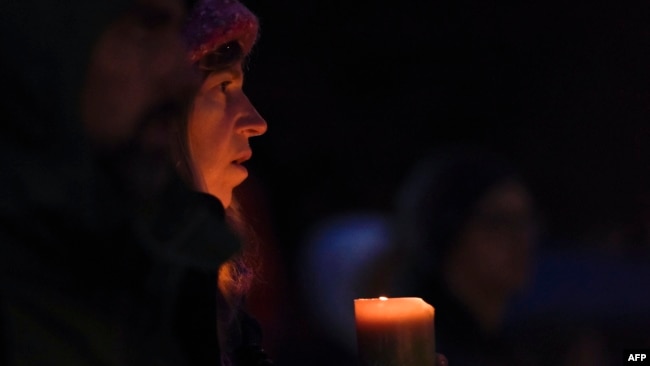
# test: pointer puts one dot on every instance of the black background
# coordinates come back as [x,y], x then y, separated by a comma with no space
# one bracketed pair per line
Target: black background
[355,91]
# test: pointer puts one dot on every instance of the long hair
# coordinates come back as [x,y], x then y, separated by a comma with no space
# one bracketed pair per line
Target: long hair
[236,276]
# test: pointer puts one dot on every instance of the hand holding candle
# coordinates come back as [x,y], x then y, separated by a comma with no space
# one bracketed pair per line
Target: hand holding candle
[395,332]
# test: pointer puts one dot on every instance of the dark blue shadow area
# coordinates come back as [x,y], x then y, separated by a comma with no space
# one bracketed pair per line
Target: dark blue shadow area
[588,285]
[584,306]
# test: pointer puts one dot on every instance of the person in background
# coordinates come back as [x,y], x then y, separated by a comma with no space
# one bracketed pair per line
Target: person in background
[466,228]
[101,242]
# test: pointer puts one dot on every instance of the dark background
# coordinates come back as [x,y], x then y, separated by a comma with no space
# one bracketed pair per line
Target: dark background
[354,92]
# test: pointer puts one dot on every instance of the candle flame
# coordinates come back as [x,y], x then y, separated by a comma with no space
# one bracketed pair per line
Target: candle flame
[383,298]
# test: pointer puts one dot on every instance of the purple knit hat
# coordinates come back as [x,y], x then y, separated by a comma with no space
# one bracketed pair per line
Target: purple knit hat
[215,22]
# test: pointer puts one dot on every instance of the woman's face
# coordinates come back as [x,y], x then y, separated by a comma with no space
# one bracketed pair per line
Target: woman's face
[220,124]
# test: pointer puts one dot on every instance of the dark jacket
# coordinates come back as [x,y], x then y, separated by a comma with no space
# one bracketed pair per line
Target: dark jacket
[88,277]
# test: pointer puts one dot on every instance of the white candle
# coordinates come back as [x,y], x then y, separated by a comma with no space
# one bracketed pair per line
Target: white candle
[395,331]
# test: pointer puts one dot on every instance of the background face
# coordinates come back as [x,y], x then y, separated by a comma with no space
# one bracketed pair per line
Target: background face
[138,65]
[137,84]
[496,246]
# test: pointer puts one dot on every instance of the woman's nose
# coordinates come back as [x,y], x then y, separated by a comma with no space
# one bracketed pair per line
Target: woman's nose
[251,124]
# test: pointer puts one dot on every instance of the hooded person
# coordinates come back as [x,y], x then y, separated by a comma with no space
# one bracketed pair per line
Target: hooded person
[103,248]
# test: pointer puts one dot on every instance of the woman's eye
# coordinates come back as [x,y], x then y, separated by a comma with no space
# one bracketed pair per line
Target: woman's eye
[224,85]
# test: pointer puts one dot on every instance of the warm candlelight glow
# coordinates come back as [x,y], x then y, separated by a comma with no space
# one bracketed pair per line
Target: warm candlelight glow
[395,331]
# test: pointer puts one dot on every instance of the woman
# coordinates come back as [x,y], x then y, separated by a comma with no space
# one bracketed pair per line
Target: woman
[211,147]
[215,142]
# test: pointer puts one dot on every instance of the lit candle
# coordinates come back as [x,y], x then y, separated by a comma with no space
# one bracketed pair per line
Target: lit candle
[395,332]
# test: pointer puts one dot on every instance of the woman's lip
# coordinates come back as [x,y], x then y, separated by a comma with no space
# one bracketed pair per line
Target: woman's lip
[243,157]
[242,169]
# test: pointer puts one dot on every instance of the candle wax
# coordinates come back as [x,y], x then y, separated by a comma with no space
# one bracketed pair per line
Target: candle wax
[395,332]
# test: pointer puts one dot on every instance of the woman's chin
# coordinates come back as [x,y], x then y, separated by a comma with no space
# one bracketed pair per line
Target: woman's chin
[226,182]
[223,194]
[239,173]
[226,200]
